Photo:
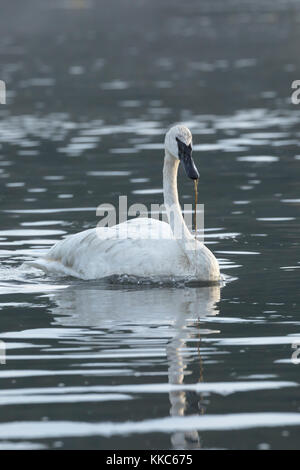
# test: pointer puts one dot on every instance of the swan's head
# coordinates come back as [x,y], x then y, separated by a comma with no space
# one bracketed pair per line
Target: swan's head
[178,144]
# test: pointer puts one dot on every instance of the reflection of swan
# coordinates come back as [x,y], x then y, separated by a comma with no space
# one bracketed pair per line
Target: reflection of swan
[82,305]
[178,364]
[141,247]
[177,367]
[144,313]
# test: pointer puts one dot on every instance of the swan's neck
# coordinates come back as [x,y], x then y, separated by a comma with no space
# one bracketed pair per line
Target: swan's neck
[171,202]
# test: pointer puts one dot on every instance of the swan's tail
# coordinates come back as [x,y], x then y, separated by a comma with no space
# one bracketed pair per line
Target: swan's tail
[50,266]
[38,263]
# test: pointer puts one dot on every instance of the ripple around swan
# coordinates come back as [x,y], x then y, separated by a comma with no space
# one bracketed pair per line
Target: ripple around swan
[258,159]
[30,232]
[237,421]
[108,173]
[125,279]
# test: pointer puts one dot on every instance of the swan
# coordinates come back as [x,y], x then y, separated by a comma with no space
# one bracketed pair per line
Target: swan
[141,247]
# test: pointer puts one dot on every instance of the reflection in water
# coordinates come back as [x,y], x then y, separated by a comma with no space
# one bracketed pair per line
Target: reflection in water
[179,309]
[88,305]
[178,364]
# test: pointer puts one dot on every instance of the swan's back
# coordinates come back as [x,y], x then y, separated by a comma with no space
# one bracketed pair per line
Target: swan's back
[137,247]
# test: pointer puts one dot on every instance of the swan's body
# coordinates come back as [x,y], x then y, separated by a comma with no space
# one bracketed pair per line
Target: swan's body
[87,256]
[141,247]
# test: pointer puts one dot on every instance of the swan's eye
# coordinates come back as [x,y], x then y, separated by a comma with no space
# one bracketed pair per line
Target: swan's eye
[182,147]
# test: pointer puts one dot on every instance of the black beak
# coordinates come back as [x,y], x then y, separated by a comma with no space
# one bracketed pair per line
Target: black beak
[185,156]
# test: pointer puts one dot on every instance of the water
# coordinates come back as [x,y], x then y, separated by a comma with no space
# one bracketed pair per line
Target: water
[119,365]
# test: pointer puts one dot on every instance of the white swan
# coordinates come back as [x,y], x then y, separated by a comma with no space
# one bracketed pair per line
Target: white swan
[141,247]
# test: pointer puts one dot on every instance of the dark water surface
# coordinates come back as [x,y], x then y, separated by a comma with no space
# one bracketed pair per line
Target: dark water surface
[91,91]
